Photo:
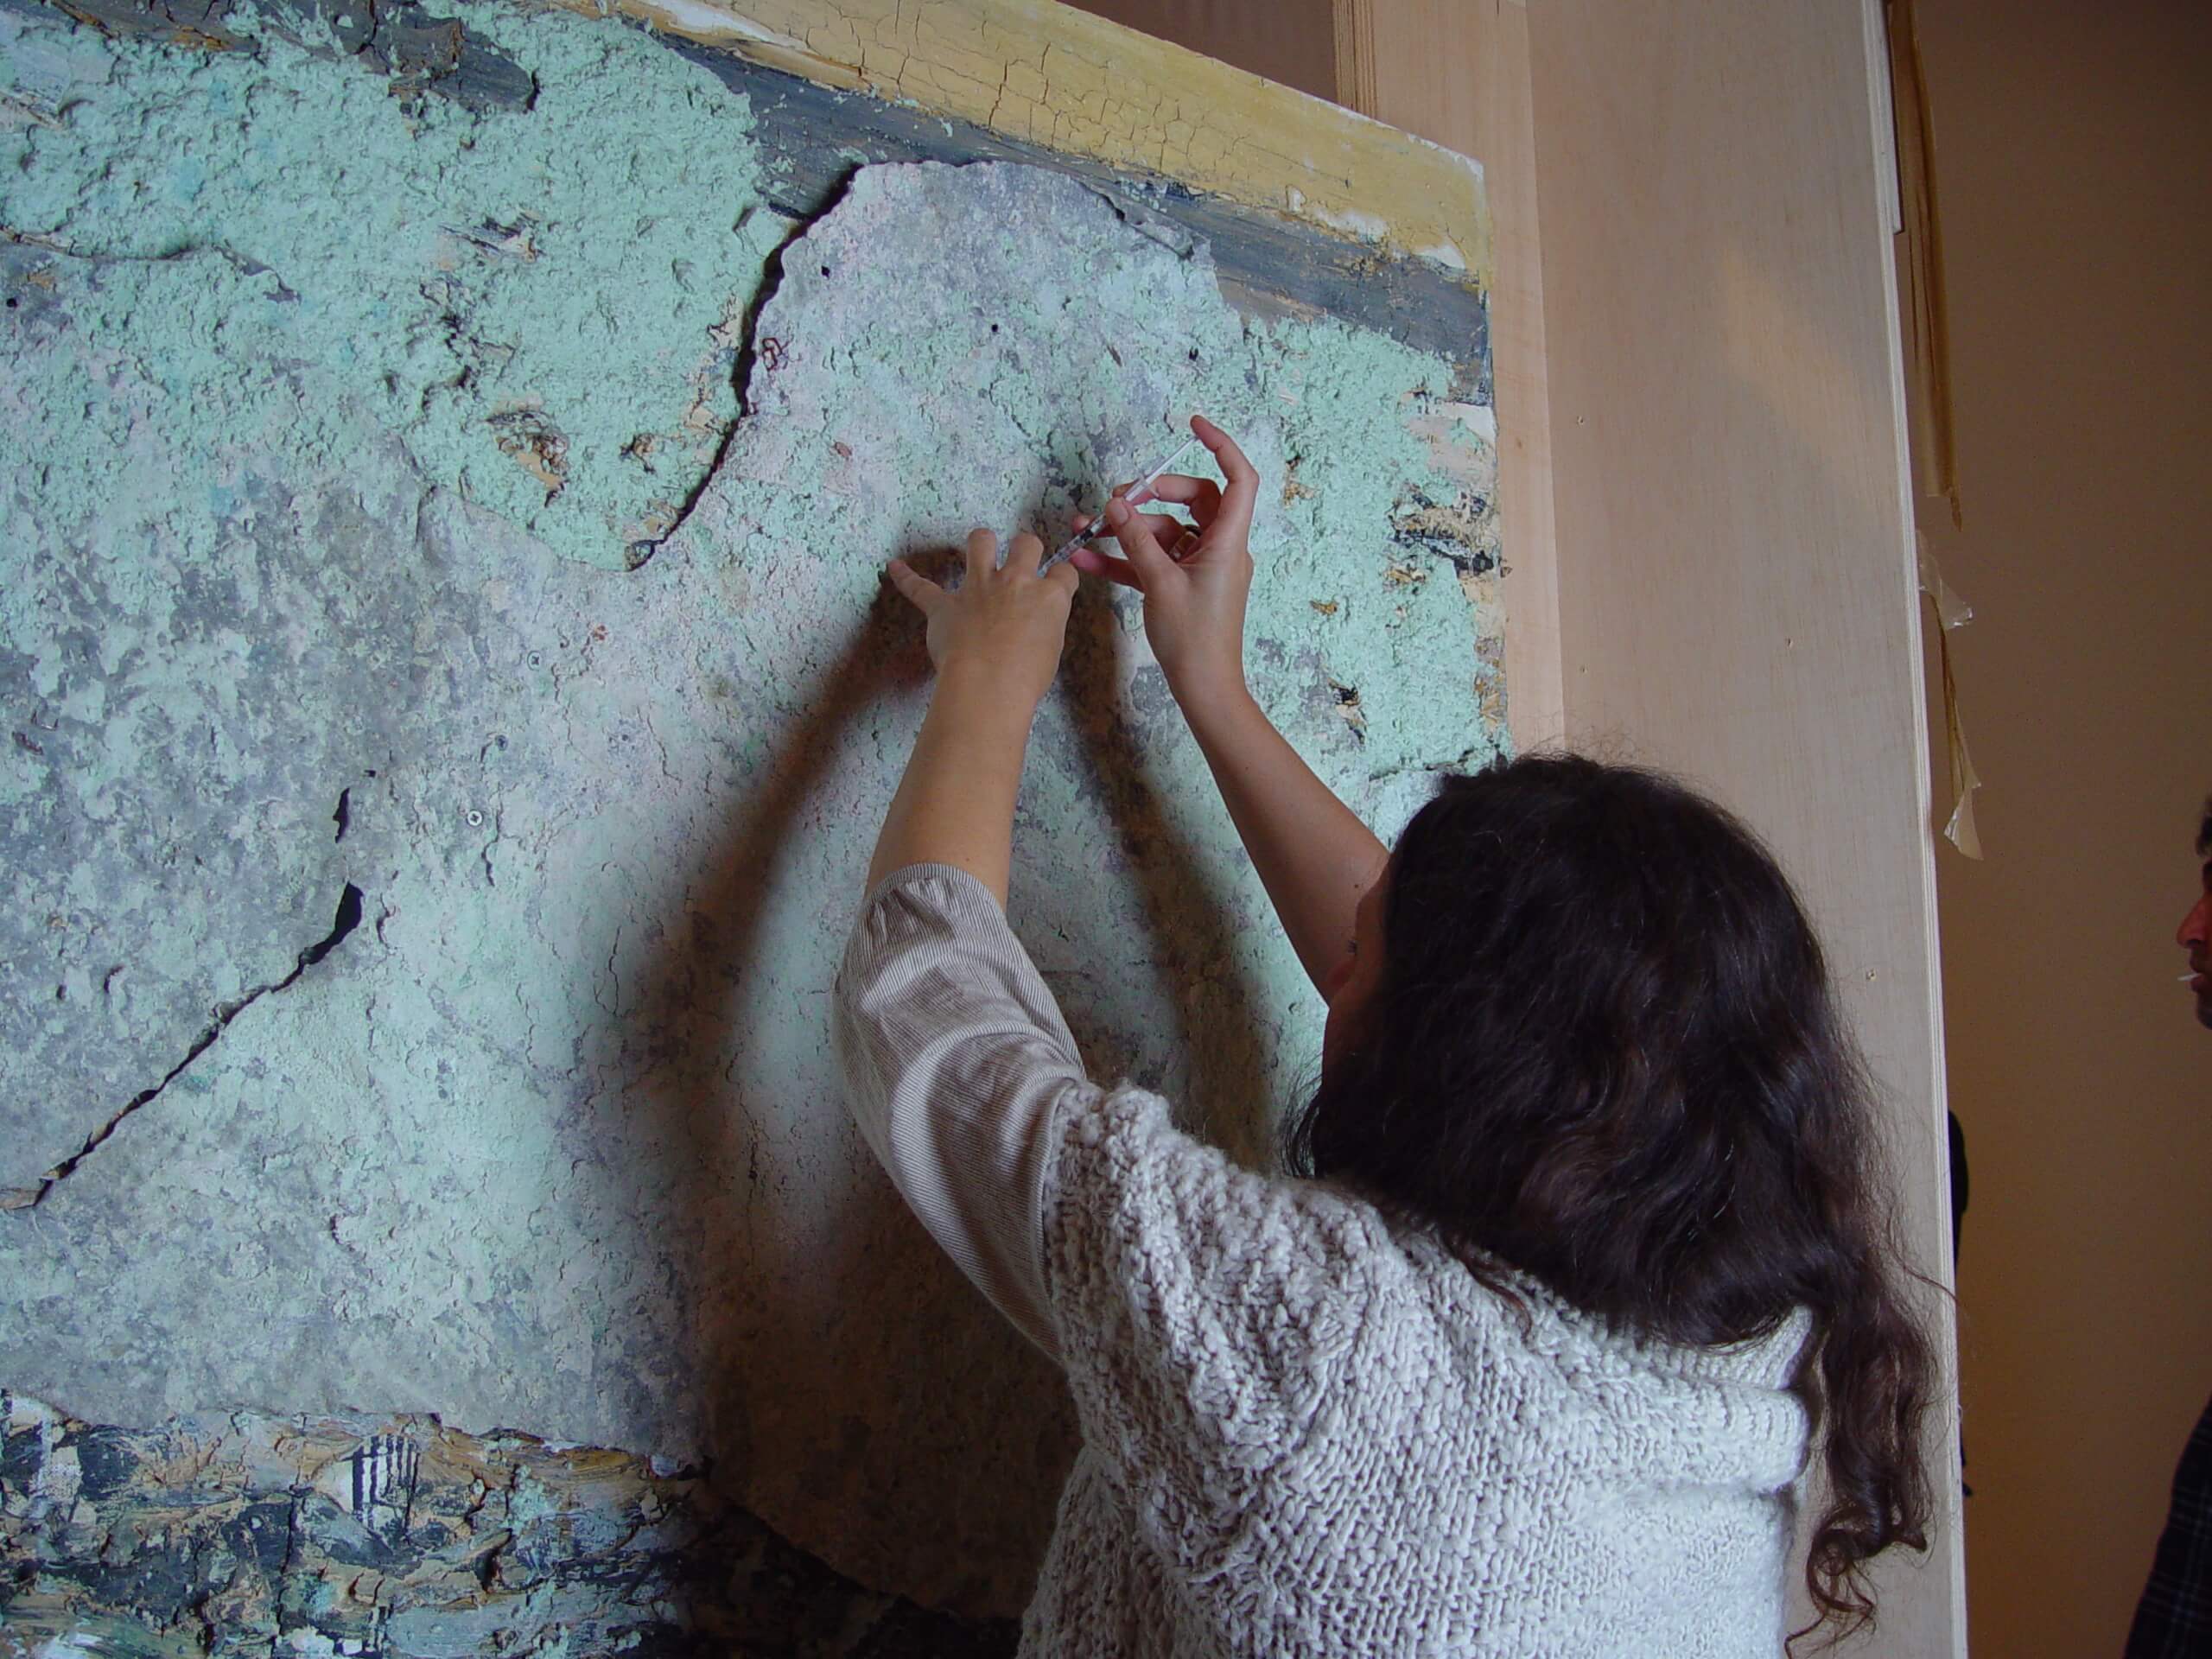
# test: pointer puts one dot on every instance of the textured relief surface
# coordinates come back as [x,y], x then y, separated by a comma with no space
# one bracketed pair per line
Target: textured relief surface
[426,890]
[543,305]
[236,1533]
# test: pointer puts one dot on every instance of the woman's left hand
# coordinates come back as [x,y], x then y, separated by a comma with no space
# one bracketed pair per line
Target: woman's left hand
[1005,626]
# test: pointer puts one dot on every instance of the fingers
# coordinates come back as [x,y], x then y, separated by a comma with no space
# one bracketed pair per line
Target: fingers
[1201,495]
[1243,492]
[1092,563]
[1165,529]
[1170,532]
[924,593]
[1023,555]
[982,554]
[1178,539]
[1138,543]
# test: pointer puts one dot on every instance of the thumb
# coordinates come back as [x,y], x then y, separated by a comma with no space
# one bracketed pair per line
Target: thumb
[1153,566]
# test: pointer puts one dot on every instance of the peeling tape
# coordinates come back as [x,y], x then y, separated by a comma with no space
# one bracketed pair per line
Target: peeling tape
[1952,611]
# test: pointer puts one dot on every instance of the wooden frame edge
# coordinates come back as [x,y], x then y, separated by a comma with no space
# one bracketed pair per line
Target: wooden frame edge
[1047,73]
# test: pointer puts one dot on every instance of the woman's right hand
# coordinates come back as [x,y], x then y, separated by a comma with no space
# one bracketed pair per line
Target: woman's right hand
[1194,585]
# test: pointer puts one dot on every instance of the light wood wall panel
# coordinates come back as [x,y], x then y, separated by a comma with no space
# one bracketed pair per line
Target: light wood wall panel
[1736,587]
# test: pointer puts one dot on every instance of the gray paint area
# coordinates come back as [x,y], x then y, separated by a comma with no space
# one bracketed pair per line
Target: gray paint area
[421,52]
[325,468]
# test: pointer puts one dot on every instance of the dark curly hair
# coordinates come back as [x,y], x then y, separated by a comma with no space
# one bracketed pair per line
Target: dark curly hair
[1602,1049]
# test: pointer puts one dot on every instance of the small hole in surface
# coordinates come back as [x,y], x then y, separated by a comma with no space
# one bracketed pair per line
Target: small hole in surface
[825,271]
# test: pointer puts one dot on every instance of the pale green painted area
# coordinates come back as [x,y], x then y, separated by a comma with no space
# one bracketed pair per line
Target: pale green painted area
[625,208]
[554,1138]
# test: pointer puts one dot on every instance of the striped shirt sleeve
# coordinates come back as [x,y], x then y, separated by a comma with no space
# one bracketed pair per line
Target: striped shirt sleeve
[957,1061]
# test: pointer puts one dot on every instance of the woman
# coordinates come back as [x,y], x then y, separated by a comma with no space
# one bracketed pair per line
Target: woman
[1581,1246]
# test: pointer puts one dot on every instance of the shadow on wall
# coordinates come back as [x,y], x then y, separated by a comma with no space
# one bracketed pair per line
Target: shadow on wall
[1189,916]
[867,1401]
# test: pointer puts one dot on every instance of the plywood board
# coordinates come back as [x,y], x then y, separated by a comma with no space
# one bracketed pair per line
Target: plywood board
[1737,590]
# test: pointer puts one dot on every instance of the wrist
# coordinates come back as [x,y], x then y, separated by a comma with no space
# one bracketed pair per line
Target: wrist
[980,697]
[1211,692]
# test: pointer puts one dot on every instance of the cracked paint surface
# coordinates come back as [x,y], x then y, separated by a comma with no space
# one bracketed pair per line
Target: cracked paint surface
[1053,75]
[552,1137]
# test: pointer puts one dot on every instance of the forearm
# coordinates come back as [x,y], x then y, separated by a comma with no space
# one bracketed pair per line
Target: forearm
[955,804]
[1313,855]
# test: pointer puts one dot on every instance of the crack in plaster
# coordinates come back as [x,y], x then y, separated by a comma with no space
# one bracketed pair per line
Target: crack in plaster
[348,918]
[641,551]
[245,265]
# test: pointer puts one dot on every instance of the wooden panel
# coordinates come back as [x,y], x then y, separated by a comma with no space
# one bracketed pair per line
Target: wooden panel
[1737,593]
[1049,74]
[1458,74]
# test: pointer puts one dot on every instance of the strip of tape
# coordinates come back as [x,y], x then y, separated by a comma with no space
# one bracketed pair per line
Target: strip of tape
[1952,611]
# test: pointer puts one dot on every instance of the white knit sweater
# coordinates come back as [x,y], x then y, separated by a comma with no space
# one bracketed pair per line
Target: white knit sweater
[1304,1432]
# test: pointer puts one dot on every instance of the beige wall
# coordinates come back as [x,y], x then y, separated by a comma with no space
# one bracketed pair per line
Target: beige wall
[2074,162]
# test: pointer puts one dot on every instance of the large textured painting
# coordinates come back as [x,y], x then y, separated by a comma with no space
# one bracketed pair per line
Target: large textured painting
[449,700]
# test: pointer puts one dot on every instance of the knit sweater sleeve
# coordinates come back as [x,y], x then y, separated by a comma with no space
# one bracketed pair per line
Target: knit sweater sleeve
[1204,1313]
[955,1059]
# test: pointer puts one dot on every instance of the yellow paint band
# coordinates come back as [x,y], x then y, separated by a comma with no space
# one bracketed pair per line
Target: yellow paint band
[1048,74]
